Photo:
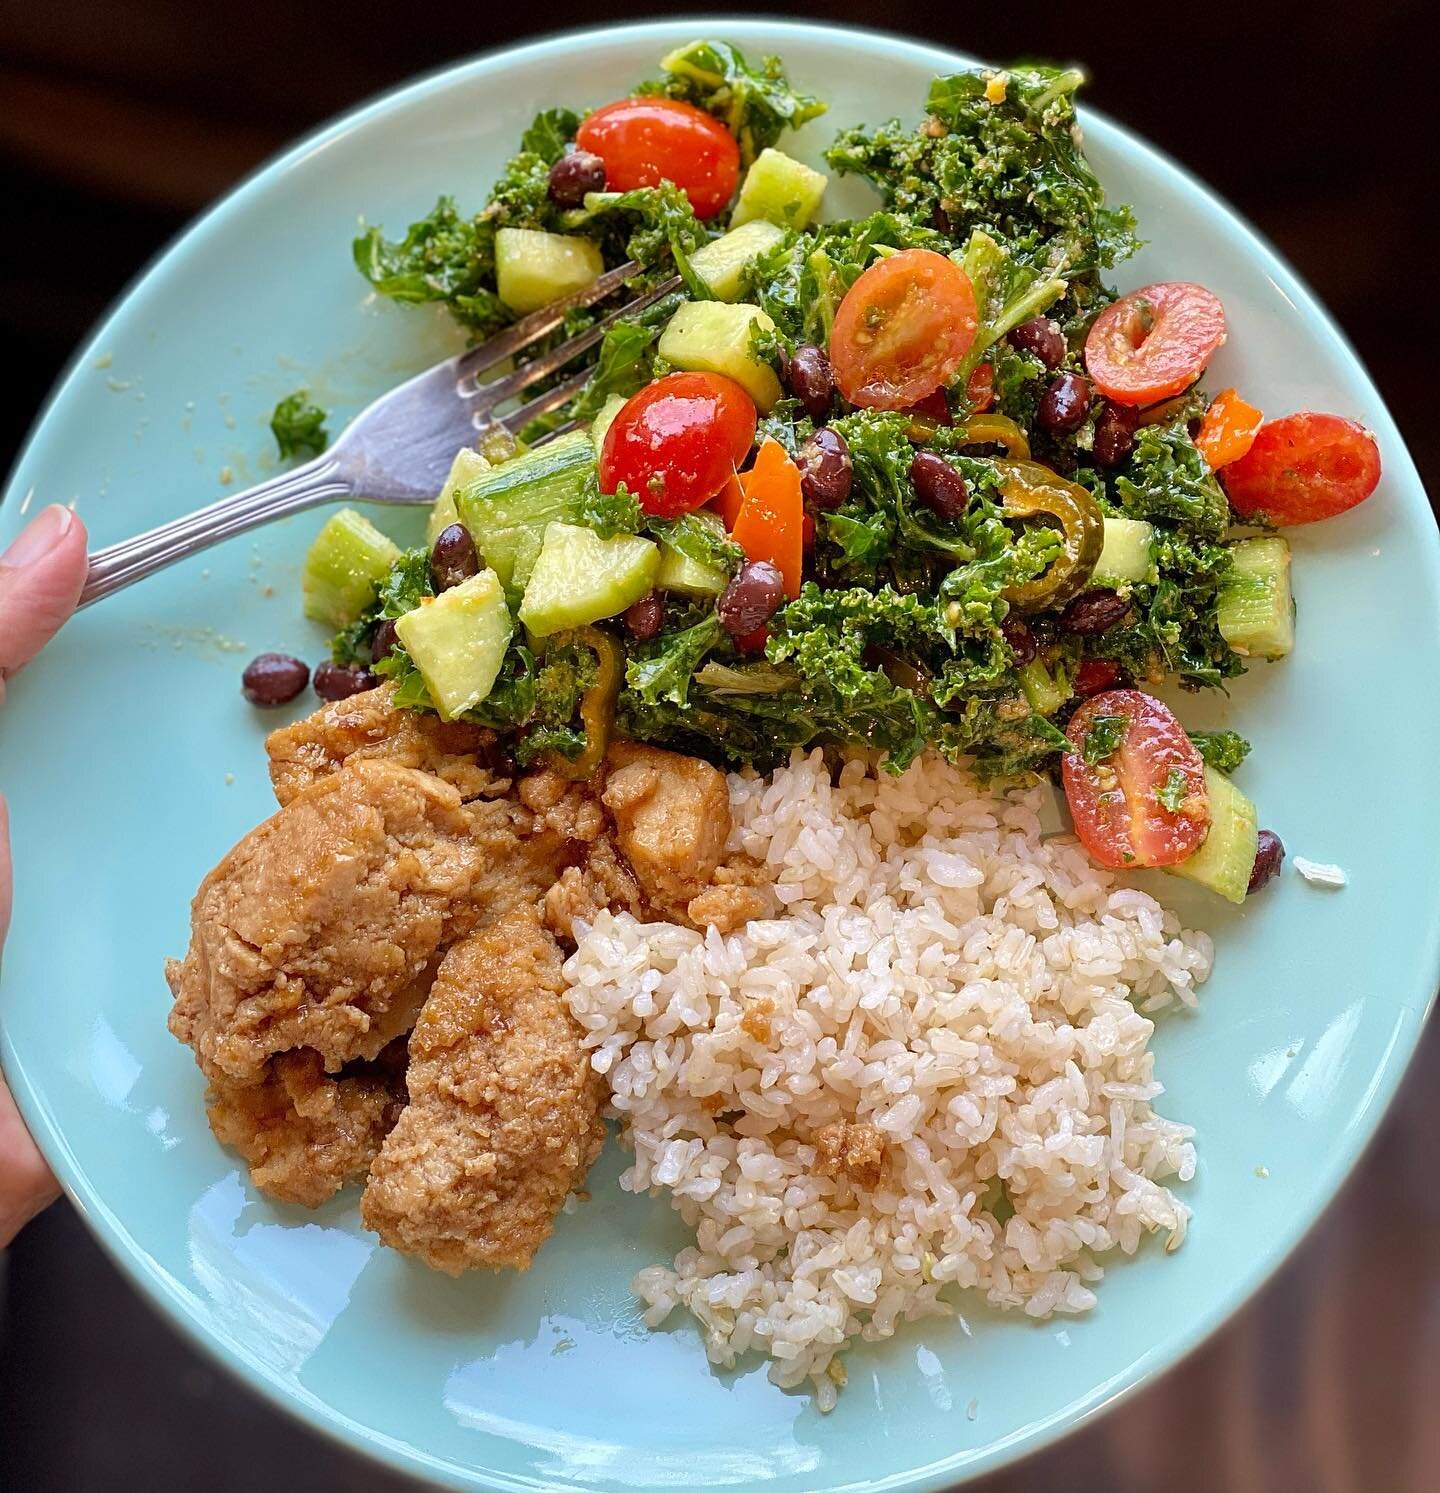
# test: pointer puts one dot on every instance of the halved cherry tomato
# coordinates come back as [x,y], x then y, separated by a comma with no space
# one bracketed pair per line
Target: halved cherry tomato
[1154,342]
[1228,430]
[677,442]
[770,525]
[902,330]
[980,389]
[644,141]
[1115,801]
[1302,468]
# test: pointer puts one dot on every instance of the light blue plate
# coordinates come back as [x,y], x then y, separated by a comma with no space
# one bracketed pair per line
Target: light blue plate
[132,763]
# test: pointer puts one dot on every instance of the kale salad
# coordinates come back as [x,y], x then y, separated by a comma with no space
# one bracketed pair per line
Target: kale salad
[918,480]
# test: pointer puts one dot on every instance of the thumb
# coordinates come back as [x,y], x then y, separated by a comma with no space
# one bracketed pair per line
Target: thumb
[41,576]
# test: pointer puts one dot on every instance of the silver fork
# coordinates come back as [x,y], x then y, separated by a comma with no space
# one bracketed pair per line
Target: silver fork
[399,448]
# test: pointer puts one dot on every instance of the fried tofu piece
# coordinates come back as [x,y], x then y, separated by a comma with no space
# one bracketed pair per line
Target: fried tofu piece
[317,929]
[672,821]
[370,725]
[303,1133]
[504,1113]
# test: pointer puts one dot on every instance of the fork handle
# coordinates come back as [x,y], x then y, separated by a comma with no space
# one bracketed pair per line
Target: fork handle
[118,565]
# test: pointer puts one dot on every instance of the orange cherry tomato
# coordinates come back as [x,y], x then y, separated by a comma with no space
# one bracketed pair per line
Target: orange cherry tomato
[1155,342]
[902,330]
[1302,468]
[644,141]
[1115,799]
[1228,430]
[677,442]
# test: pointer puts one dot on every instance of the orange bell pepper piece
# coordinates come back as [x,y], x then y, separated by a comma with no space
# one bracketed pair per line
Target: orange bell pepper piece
[771,522]
[1228,430]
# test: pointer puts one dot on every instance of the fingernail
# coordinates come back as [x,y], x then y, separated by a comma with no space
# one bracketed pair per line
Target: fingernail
[39,538]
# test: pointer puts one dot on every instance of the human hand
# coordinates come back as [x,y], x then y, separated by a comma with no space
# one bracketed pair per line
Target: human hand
[40,579]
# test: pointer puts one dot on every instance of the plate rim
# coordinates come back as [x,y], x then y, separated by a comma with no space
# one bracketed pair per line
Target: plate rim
[291,1396]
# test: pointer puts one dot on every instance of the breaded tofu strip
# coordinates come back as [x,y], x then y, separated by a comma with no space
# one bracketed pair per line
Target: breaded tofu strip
[504,1112]
[303,1133]
[316,930]
[370,725]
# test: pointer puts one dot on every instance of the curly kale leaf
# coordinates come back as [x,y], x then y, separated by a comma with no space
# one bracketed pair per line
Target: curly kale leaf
[1007,292]
[549,134]
[700,537]
[662,670]
[757,105]
[1222,750]
[1000,152]
[298,425]
[1168,479]
[609,513]
[1103,738]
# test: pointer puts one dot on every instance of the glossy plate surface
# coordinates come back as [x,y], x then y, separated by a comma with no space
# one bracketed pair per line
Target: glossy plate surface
[132,763]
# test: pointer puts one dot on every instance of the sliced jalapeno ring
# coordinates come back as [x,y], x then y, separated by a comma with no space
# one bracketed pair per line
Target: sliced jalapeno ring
[996,430]
[1032,491]
[597,704]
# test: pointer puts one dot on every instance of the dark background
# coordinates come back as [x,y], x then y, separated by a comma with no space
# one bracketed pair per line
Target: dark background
[119,121]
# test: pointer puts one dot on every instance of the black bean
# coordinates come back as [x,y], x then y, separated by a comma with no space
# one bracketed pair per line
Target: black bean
[340,681]
[1064,405]
[1020,638]
[811,380]
[826,471]
[273,679]
[1042,338]
[751,599]
[384,641]
[453,558]
[644,618]
[1114,433]
[1094,612]
[574,174]
[939,486]
[1269,853]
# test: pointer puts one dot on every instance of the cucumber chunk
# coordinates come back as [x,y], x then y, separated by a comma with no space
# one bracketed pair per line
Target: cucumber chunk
[711,337]
[345,565]
[465,468]
[580,578]
[1226,855]
[1045,691]
[533,268]
[458,641]
[602,422]
[1125,556]
[781,189]
[1255,609]
[722,264]
[678,572]
[508,507]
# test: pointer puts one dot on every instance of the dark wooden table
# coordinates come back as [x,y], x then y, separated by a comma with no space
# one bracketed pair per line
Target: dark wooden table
[118,122]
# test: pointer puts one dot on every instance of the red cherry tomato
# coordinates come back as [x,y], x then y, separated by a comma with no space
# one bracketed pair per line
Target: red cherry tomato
[1155,342]
[677,442]
[1116,801]
[644,141]
[1303,467]
[902,329]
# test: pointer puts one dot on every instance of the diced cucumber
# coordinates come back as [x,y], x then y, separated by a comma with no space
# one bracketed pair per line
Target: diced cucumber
[1125,556]
[722,263]
[678,572]
[711,337]
[346,563]
[467,466]
[1226,855]
[580,578]
[602,422]
[1255,609]
[458,640]
[781,189]
[533,268]
[1046,691]
[507,508]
